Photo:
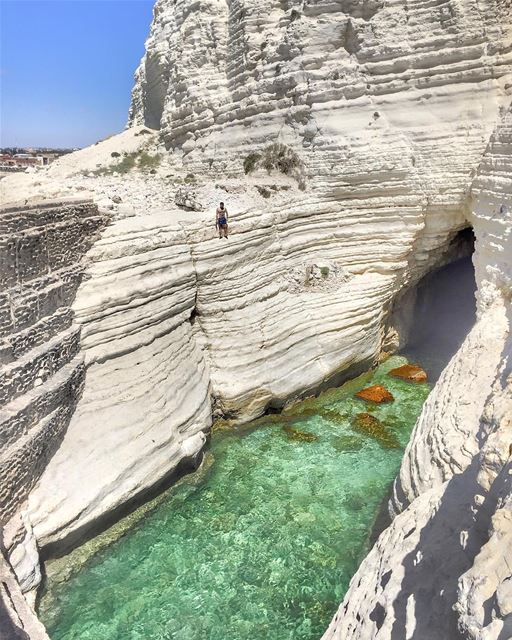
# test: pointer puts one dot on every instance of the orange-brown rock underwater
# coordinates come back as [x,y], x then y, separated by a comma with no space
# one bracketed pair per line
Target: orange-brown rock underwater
[410,372]
[264,542]
[376,393]
[373,427]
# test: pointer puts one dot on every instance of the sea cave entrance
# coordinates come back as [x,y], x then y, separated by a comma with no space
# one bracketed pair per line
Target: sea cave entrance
[434,316]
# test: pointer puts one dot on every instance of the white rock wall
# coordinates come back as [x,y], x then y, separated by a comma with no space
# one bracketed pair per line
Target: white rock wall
[389,107]
[42,249]
[170,315]
[443,568]
[346,80]
[41,371]
[146,401]
[17,619]
[446,436]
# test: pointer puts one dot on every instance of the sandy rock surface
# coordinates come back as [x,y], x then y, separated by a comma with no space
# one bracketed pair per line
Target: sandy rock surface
[351,142]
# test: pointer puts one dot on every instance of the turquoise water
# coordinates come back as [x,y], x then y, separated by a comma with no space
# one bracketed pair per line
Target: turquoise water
[260,544]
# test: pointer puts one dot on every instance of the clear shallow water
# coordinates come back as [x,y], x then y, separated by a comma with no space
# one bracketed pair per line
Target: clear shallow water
[259,545]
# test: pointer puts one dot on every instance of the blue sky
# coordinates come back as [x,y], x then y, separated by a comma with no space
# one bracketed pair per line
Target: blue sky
[66,68]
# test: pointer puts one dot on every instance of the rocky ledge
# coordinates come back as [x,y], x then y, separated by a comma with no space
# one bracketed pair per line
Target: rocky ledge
[352,143]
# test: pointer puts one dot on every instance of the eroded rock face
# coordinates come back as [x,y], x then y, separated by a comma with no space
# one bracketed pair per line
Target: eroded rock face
[376,89]
[146,394]
[43,248]
[17,620]
[442,568]
[385,111]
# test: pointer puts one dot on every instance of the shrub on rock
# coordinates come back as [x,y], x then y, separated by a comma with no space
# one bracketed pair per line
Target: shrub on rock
[250,162]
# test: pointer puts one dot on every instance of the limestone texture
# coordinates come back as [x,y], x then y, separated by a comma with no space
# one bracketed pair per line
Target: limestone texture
[42,250]
[17,619]
[147,389]
[442,569]
[351,142]
[42,371]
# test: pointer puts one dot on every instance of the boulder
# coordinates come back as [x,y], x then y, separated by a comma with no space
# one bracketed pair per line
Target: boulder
[411,372]
[376,393]
[188,199]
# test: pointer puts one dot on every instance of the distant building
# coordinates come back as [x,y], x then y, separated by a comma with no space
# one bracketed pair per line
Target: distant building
[47,158]
[16,159]
[27,160]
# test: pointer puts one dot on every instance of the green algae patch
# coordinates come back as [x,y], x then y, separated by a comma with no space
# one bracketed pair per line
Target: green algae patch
[261,542]
[370,425]
[299,436]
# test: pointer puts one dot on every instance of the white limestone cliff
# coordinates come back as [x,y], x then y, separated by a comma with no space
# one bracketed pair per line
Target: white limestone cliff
[443,568]
[362,127]
[146,396]
[42,250]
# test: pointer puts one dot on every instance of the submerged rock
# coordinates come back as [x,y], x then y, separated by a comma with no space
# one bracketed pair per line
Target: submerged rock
[346,443]
[373,427]
[411,372]
[299,436]
[376,393]
[334,416]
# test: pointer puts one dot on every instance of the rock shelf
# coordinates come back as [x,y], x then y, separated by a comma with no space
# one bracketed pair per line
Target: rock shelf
[352,143]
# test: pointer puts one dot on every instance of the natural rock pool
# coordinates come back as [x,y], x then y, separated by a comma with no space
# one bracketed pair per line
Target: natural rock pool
[262,541]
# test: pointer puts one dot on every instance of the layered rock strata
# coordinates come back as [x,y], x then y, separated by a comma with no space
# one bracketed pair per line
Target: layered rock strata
[42,370]
[385,109]
[361,127]
[443,567]
[147,391]
[17,619]
[352,81]
[398,77]
[176,327]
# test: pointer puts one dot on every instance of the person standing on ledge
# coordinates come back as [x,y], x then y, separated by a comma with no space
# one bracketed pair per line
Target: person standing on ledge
[221,221]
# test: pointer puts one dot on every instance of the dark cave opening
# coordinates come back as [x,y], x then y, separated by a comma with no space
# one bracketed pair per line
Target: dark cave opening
[443,309]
